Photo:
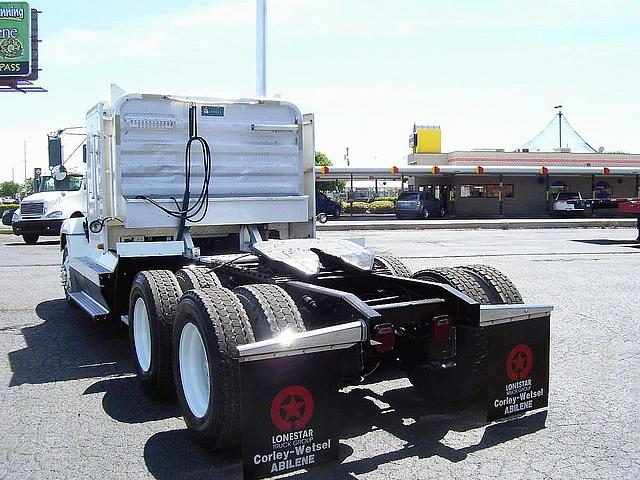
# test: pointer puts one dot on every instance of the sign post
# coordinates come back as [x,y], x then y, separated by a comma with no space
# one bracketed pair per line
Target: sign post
[15,39]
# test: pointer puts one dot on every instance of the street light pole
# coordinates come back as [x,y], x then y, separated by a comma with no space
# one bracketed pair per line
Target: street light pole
[559,108]
[261,48]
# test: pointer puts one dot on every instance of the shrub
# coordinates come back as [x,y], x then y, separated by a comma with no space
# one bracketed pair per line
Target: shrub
[364,207]
[385,199]
[5,207]
[358,207]
[381,206]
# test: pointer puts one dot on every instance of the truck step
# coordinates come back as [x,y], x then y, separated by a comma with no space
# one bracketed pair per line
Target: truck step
[89,305]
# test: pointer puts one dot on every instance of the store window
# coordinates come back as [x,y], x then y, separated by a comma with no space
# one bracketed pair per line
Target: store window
[603,189]
[486,191]
[558,186]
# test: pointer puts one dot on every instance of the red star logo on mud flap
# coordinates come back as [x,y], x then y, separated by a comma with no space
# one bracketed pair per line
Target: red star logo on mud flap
[519,362]
[292,408]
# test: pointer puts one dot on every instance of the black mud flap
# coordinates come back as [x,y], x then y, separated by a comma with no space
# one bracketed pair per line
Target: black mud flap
[288,413]
[518,365]
[289,390]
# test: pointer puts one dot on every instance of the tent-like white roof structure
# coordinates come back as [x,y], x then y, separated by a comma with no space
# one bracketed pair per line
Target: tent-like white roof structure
[549,138]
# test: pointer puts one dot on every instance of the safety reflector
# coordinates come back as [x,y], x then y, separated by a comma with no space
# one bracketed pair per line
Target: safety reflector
[442,328]
[385,335]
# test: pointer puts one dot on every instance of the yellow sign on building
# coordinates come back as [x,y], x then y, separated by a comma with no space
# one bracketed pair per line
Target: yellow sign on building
[427,139]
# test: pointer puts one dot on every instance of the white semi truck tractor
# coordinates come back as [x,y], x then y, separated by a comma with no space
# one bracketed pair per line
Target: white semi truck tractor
[61,195]
[200,236]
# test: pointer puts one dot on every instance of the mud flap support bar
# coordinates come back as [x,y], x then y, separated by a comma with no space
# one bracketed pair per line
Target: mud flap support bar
[286,344]
[497,314]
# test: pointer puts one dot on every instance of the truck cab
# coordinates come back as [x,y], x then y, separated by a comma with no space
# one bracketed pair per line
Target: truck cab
[60,196]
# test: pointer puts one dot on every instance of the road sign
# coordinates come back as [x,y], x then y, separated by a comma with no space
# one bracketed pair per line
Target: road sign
[15,39]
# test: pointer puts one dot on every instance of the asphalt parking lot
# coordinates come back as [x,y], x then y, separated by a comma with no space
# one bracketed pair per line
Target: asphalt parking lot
[71,408]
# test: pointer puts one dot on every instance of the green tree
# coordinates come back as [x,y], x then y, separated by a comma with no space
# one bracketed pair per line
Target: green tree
[328,186]
[27,186]
[9,188]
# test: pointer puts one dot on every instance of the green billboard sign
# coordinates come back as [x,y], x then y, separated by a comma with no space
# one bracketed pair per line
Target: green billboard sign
[15,39]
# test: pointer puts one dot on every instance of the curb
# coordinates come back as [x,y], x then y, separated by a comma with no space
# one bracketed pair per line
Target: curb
[499,224]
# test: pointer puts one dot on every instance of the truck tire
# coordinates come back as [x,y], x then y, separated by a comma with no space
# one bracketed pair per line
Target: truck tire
[153,303]
[498,286]
[196,278]
[468,378]
[270,310]
[30,238]
[209,326]
[391,265]
[457,279]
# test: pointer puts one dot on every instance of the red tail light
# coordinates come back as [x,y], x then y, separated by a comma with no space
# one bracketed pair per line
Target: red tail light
[385,335]
[442,328]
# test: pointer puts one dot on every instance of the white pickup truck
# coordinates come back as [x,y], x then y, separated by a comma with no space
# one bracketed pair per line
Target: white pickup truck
[569,202]
[61,195]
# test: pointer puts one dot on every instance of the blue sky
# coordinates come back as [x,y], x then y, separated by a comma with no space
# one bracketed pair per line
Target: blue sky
[488,72]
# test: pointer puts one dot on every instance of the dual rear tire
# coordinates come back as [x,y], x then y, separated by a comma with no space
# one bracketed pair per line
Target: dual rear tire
[187,343]
[210,324]
[468,377]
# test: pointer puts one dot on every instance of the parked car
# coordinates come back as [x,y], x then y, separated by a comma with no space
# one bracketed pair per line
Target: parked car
[418,204]
[569,202]
[8,200]
[7,216]
[325,205]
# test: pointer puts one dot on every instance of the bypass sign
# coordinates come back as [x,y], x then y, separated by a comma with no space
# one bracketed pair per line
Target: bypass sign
[15,39]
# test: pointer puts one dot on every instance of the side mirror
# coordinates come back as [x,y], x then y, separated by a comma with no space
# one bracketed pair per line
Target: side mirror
[96,226]
[59,173]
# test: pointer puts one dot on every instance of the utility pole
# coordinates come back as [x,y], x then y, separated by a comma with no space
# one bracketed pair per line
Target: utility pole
[559,108]
[261,48]
[25,161]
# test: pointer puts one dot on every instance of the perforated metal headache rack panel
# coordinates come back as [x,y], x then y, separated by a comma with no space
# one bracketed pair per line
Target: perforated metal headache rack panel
[255,147]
